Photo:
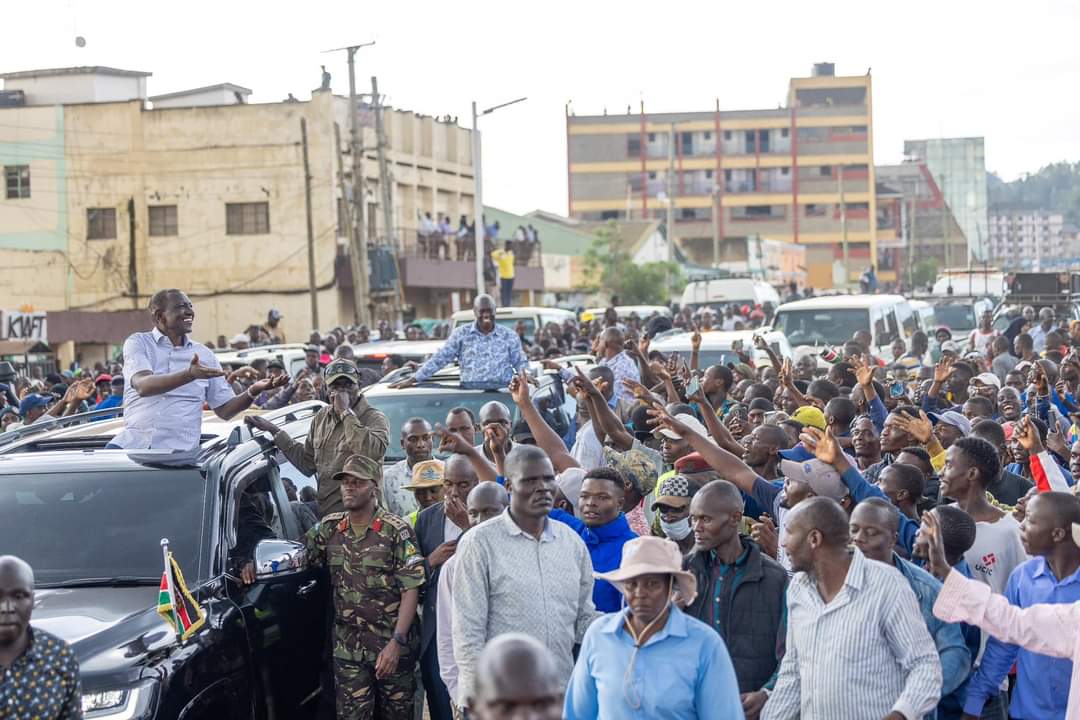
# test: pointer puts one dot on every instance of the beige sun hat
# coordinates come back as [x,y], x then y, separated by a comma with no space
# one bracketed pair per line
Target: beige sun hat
[652,556]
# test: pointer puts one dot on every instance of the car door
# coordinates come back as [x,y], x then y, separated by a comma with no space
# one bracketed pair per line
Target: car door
[285,612]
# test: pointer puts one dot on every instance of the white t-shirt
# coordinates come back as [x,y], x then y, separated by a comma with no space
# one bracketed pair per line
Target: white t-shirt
[997,551]
[981,342]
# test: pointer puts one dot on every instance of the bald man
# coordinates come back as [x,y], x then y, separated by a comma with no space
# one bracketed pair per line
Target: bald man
[485,501]
[437,531]
[877,624]
[741,589]
[516,676]
[39,672]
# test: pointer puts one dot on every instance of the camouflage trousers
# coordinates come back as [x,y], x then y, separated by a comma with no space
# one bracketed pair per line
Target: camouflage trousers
[360,696]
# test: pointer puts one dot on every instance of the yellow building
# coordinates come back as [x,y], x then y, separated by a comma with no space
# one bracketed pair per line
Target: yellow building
[108,199]
[801,173]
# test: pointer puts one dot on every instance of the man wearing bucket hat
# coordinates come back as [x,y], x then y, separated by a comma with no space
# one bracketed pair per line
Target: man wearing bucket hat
[1036,621]
[426,486]
[347,426]
[376,574]
[650,659]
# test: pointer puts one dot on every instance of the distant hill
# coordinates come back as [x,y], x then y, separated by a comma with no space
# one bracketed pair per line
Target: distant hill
[1054,187]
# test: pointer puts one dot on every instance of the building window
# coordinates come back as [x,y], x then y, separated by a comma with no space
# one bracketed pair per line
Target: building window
[652,137]
[783,132]
[342,218]
[708,174]
[727,134]
[764,140]
[633,145]
[826,171]
[609,214]
[687,214]
[784,171]
[247,218]
[707,136]
[100,223]
[17,180]
[751,136]
[814,210]
[652,176]
[163,220]
[687,143]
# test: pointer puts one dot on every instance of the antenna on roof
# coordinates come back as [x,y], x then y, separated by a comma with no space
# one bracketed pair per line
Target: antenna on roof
[80,41]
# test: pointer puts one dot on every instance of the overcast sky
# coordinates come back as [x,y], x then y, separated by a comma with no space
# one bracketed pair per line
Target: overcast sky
[1008,71]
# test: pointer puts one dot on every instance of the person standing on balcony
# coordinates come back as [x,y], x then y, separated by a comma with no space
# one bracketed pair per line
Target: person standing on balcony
[504,261]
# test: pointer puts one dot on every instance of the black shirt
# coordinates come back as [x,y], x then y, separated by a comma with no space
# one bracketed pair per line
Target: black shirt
[1009,487]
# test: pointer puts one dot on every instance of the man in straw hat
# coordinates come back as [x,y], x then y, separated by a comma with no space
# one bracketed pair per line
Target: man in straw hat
[1035,622]
[650,659]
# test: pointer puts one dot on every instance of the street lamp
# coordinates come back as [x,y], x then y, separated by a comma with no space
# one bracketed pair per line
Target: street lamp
[478,202]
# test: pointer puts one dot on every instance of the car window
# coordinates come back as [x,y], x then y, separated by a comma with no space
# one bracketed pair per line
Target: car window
[76,525]
[433,407]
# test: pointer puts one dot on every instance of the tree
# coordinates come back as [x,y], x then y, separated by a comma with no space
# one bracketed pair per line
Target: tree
[1054,187]
[611,267]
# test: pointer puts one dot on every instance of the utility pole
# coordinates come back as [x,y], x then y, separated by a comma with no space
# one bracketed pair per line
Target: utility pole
[945,222]
[716,210]
[133,266]
[310,229]
[912,248]
[386,181]
[843,225]
[358,260]
[478,203]
[671,208]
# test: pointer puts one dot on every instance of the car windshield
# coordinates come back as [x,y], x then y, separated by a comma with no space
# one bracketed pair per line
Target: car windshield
[955,317]
[821,327]
[76,526]
[708,358]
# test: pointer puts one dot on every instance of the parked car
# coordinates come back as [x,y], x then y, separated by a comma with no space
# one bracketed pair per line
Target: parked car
[832,320]
[717,294]
[625,311]
[371,355]
[717,346]
[290,355]
[532,317]
[90,521]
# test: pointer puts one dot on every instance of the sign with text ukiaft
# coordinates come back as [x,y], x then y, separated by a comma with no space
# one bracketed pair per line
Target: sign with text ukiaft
[29,326]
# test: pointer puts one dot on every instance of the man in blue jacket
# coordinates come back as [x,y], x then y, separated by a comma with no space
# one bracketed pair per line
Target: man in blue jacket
[600,506]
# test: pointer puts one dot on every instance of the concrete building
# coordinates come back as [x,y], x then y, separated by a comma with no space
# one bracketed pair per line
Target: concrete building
[802,172]
[1029,239]
[958,165]
[107,200]
[915,224]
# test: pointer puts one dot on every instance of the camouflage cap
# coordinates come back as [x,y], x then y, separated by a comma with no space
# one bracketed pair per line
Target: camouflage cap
[634,466]
[360,466]
[426,474]
[342,368]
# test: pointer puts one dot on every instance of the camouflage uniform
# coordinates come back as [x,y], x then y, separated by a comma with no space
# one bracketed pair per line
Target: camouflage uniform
[370,568]
[331,440]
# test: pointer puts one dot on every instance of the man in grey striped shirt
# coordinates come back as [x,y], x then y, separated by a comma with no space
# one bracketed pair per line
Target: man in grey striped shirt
[522,572]
[857,646]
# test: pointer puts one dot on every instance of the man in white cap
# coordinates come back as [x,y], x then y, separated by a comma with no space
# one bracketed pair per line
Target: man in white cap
[650,659]
[949,427]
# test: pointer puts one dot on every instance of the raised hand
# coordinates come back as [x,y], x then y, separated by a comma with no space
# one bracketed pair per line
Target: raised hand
[451,443]
[822,444]
[939,566]
[695,341]
[659,370]
[197,371]
[942,369]
[663,420]
[643,346]
[763,532]
[864,371]
[1028,437]
[519,389]
[640,391]
[83,390]
[920,428]
[495,439]
[269,384]
[585,384]
[759,343]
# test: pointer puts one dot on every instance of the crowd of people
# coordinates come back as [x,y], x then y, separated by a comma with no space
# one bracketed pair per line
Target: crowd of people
[843,536]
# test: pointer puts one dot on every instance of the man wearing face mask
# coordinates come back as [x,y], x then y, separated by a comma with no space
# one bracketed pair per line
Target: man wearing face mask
[672,507]
[650,659]
[347,426]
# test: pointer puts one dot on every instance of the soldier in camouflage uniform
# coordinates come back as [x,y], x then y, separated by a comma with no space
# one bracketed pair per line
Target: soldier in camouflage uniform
[376,574]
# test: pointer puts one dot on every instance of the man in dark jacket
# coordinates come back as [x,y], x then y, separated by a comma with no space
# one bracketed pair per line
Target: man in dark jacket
[437,531]
[740,590]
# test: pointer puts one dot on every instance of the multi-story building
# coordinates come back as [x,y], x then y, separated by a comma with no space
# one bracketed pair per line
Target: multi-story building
[1028,239]
[958,166]
[802,172]
[915,224]
[111,195]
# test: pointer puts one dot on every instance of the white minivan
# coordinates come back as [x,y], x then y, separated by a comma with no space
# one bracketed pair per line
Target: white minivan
[832,320]
[730,291]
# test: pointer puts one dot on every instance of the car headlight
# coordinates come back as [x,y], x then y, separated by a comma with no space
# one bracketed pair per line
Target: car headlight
[132,703]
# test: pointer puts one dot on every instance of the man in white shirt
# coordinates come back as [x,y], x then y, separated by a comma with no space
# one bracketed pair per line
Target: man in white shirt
[169,376]
[522,572]
[486,500]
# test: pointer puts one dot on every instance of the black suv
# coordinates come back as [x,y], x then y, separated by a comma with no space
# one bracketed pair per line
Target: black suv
[90,522]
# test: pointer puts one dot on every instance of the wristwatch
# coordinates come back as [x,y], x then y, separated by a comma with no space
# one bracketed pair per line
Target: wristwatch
[401,639]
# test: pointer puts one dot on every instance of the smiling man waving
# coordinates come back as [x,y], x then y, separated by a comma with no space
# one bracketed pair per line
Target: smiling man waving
[168,378]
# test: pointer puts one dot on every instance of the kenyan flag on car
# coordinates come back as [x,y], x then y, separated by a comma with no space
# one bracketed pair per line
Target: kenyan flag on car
[175,603]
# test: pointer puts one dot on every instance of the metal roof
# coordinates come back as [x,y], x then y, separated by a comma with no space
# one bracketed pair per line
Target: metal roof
[81,70]
[220,86]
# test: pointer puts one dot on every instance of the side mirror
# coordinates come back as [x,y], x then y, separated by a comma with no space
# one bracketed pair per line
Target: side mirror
[274,558]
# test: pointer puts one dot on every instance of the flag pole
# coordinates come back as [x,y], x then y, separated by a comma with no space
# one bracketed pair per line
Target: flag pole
[172,591]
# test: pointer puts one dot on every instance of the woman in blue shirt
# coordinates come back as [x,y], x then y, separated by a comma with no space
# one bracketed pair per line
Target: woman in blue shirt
[650,660]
